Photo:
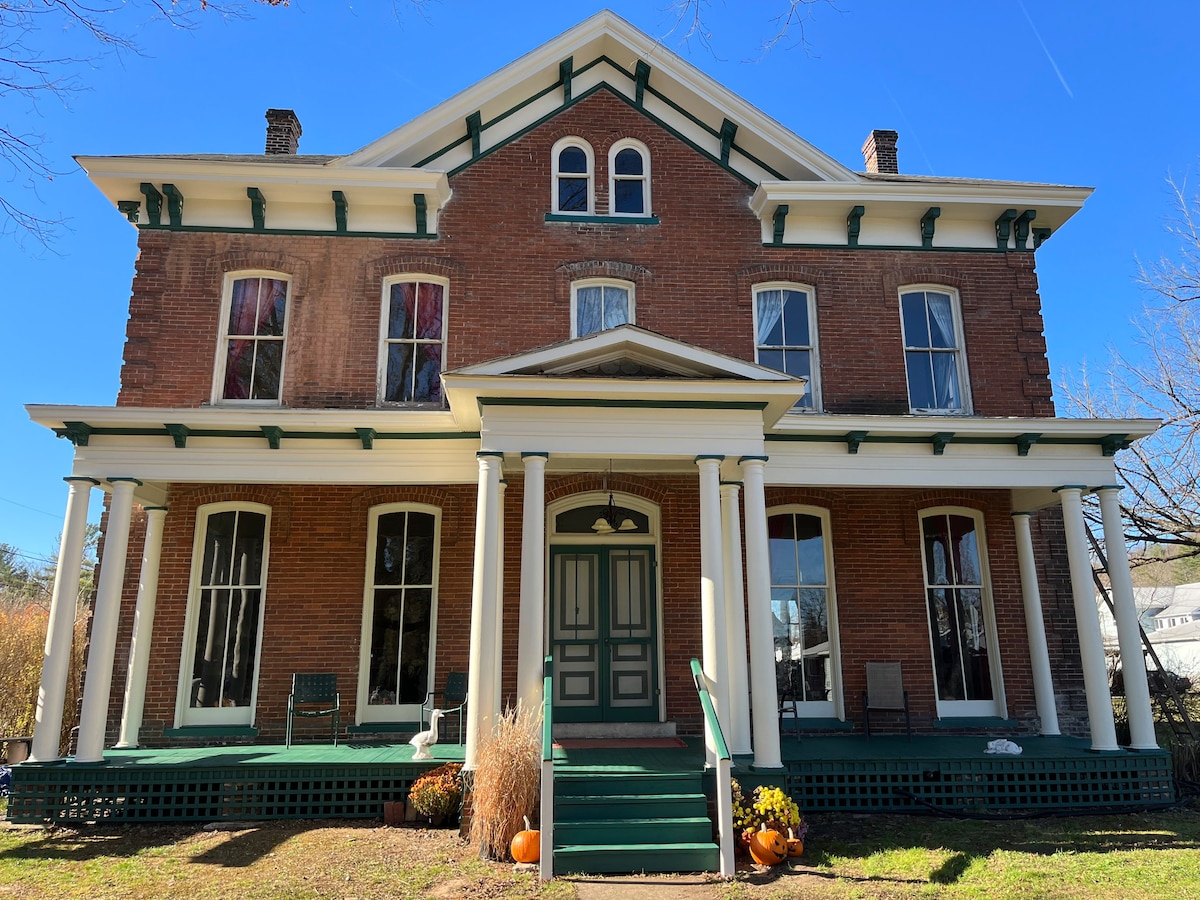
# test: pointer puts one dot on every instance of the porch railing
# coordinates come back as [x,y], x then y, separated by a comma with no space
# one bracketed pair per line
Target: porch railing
[718,752]
[546,852]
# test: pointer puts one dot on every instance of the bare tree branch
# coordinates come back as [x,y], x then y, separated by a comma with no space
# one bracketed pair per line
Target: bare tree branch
[1160,380]
[691,22]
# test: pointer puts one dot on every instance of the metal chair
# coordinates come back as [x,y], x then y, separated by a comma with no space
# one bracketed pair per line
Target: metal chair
[454,699]
[320,690]
[885,690]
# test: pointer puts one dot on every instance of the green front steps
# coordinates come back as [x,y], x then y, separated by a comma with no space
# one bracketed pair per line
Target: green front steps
[612,819]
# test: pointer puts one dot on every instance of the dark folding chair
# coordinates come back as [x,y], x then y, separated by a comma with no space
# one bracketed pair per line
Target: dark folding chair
[885,691]
[319,691]
[453,699]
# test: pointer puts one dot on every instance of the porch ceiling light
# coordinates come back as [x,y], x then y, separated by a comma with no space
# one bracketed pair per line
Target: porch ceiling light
[614,518]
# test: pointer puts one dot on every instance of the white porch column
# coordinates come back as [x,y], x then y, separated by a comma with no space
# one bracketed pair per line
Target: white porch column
[143,629]
[758,603]
[1133,658]
[60,632]
[498,673]
[712,587]
[531,633]
[1091,644]
[107,613]
[735,620]
[483,602]
[1035,626]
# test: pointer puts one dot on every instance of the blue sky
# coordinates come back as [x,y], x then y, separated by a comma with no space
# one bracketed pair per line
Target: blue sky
[1087,92]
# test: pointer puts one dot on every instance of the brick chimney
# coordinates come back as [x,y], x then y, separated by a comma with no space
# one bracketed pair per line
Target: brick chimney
[283,131]
[879,151]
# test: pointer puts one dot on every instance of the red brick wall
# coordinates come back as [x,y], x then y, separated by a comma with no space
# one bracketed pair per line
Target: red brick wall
[510,274]
[317,560]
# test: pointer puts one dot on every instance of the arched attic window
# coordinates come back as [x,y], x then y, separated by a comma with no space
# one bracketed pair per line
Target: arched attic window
[574,168]
[629,179]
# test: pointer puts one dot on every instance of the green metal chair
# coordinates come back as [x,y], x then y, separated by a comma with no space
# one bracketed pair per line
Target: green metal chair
[319,691]
[453,699]
[885,691]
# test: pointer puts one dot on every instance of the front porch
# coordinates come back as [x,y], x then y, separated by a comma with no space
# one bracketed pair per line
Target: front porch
[353,780]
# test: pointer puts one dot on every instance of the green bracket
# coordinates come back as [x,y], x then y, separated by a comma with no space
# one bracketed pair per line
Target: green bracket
[1040,236]
[1022,223]
[565,68]
[174,205]
[1025,441]
[422,214]
[77,433]
[475,131]
[1109,444]
[641,78]
[728,130]
[1004,228]
[153,203]
[778,223]
[940,440]
[273,434]
[854,225]
[367,436]
[927,221]
[854,440]
[339,211]
[258,208]
[179,433]
[129,209]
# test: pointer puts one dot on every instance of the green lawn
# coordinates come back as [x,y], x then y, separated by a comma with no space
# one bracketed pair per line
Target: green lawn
[848,856]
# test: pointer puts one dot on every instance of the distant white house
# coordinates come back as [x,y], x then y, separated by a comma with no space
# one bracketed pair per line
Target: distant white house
[1170,616]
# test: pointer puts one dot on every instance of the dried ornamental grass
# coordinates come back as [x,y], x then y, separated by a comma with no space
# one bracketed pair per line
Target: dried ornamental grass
[507,780]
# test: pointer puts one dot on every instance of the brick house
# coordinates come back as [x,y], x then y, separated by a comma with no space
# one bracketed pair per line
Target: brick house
[594,360]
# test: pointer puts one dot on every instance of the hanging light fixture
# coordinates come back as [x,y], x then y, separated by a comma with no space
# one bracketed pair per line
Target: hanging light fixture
[614,518]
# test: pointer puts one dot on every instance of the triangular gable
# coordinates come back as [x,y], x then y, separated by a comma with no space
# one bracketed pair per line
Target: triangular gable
[602,52]
[617,350]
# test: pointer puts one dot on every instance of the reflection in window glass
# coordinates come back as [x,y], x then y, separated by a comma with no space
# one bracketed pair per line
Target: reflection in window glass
[955,595]
[800,607]
[573,188]
[254,339]
[629,182]
[414,342]
[402,608]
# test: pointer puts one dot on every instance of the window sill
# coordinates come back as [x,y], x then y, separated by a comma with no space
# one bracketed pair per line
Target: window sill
[191,731]
[603,220]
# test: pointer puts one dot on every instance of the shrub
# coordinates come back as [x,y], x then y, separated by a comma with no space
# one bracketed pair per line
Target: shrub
[438,793]
[768,806]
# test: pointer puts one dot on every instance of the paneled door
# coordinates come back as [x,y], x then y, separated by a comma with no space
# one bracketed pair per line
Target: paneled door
[603,635]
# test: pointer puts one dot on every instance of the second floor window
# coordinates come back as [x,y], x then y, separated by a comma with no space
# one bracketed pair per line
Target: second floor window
[600,305]
[933,354]
[786,335]
[414,335]
[251,358]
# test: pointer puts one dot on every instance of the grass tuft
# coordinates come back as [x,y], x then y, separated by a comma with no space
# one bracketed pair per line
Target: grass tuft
[507,780]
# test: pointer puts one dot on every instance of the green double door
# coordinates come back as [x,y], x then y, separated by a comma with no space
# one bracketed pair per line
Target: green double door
[603,636]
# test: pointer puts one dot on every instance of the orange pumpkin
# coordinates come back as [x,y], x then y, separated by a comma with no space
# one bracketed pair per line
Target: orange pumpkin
[526,846]
[795,845]
[767,847]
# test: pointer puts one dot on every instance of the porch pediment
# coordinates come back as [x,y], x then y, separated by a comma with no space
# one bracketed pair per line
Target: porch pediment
[621,367]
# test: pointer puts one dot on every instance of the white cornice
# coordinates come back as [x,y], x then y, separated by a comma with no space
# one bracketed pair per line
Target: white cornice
[965,426]
[246,418]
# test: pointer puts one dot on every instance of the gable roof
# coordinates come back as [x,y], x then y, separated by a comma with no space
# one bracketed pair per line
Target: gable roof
[604,51]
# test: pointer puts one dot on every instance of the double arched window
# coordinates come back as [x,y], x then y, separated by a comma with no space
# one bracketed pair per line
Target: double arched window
[574,188]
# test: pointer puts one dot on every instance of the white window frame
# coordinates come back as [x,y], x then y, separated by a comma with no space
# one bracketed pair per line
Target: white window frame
[834,707]
[603,283]
[814,350]
[958,708]
[644,178]
[395,712]
[385,341]
[959,351]
[218,388]
[590,176]
[185,714]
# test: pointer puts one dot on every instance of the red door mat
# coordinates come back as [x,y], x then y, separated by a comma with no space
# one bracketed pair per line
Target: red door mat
[619,743]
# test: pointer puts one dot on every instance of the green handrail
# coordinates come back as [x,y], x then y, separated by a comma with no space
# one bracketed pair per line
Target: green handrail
[710,714]
[547,697]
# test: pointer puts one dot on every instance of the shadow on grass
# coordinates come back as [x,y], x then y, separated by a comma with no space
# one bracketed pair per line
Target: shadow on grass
[837,840]
[79,845]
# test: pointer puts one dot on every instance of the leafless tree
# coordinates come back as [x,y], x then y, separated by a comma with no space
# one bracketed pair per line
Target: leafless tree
[30,73]
[1160,379]
[791,21]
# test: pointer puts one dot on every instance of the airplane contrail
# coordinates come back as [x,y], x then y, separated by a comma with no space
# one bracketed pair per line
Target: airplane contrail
[1046,50]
